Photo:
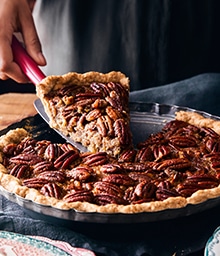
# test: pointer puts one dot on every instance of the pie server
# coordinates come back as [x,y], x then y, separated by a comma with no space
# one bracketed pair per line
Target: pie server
[33,72]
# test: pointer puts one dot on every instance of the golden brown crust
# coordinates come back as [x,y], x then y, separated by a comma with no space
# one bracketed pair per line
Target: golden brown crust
[13,136]
[12,184]
[198,120]
[55,82]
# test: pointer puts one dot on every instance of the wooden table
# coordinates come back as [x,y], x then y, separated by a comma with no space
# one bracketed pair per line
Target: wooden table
[16,106]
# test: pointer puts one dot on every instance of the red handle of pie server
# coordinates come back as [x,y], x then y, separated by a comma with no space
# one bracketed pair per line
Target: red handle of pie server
[26,63]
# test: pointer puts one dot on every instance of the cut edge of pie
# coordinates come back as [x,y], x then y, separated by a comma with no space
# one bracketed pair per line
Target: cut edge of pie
[98,118]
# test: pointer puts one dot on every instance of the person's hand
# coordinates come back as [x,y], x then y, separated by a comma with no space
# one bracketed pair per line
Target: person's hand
[16,16]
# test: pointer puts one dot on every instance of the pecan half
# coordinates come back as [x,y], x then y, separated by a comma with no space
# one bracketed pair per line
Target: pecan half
[114,101]
[161,152]
[81,196]
[81,173]
[174,125]
[36,183]
[29,150]
[102,187]
[119,89]
[164,193]
[145,189]
[52,190]
[176,164]
[42,166]
[183,141]
[67,146]
[114,114]
[93,115]
[20,171]
[84,104]
[41,146]
[127,155]
[196,182]
[100,88]
[129,195]
[132,197]
[144,154]
[29,159]
[26,143]
[52,151]
[52,176]
[66,90]
[66,159]
[122,129]
[105,126]
[111,168]
[95,159]
[69,114]
[203,181]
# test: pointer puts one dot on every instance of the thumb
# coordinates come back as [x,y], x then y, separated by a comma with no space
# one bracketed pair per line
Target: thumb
[33,48]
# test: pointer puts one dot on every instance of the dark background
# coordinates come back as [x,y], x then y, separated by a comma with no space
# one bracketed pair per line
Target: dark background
[184,41]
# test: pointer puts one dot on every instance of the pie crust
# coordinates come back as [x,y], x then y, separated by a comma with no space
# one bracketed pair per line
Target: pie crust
[188,160]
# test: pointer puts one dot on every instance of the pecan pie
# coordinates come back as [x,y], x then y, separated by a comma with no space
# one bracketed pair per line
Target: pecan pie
[91,108]
[177,166]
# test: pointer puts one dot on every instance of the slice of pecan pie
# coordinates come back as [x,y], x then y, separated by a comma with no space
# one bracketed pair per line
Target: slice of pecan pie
[91,108]
[177,166]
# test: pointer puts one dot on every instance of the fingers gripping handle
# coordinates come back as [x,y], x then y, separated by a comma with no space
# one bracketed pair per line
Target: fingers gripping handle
[26,63]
